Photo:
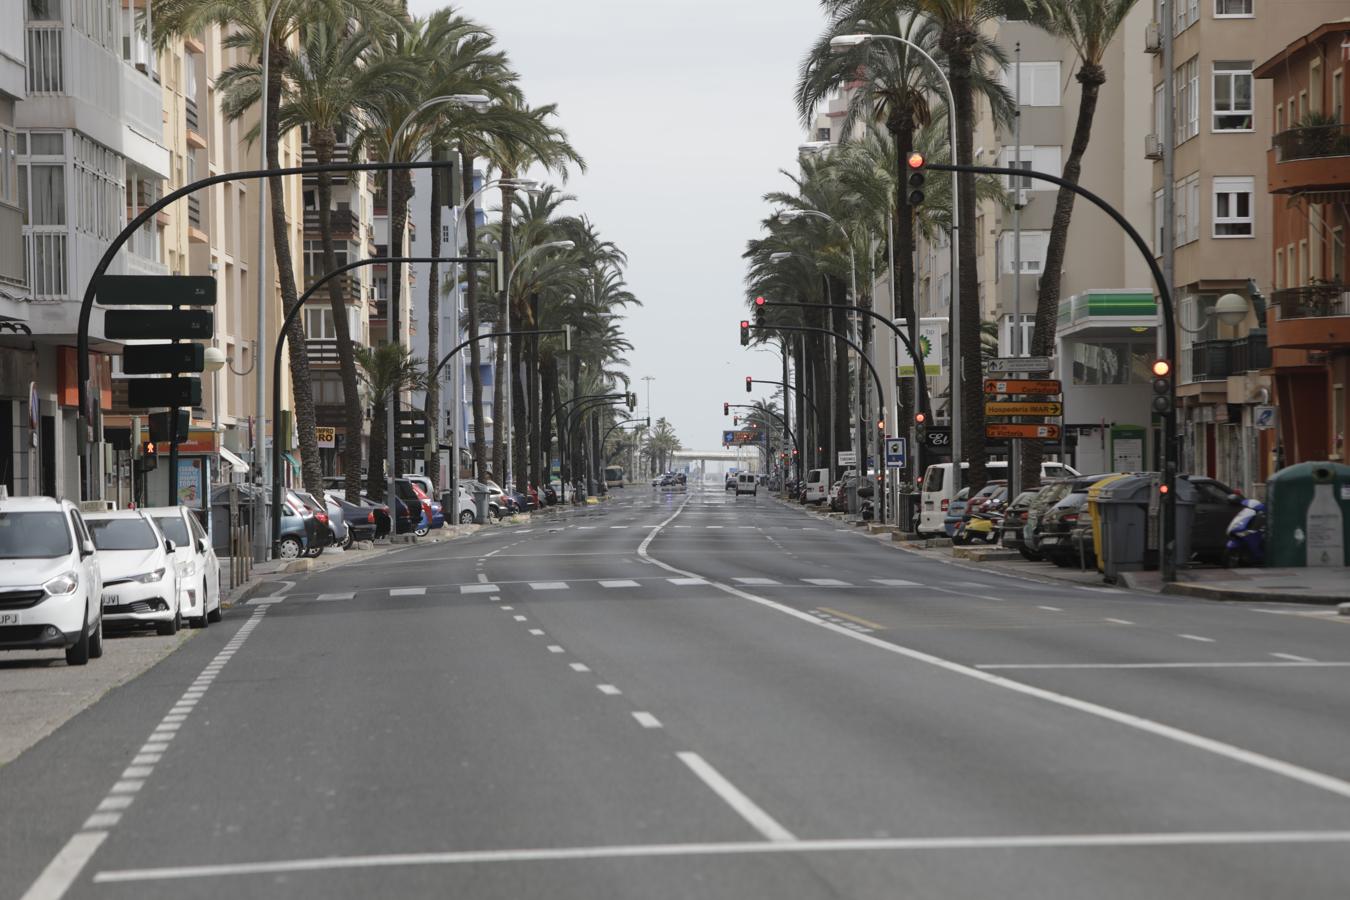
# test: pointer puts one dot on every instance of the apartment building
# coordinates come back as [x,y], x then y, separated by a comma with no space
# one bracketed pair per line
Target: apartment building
[17,362]
[1307,176]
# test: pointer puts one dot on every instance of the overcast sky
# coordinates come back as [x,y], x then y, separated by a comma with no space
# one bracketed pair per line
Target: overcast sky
[683,111]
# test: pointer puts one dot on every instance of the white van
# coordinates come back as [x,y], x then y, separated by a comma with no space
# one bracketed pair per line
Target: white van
[817,485]
[747,483]
[939,491]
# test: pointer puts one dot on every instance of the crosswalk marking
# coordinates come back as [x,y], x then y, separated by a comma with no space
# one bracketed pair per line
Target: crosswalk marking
[408,591]
[622,583]
[478,588]
[827,582]
[549,585]
[895,582]
[347,596]
[684,582]
[755,581]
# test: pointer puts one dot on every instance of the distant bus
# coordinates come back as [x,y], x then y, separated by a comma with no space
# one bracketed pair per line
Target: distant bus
[614,476]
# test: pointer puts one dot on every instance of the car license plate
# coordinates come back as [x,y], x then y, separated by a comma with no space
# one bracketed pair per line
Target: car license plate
[11,618]
[111,599]
[1050,540]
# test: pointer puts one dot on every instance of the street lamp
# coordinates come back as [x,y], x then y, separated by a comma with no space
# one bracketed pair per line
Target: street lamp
[1230,310]
[844,42]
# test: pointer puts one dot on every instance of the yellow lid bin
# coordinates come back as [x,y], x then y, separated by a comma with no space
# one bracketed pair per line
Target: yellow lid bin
[1095,514]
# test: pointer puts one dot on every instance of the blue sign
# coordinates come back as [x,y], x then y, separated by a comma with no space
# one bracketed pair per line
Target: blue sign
[896,453]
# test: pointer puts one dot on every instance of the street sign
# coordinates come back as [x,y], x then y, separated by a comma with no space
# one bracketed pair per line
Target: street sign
[1023,408]
[1022,364]
[939,436]
[162,359]
[1023,386]
[145,393]
[1022,430]
[159,426]
[156,290]
[895,453]
[745,436]
[159,324]
[848,457]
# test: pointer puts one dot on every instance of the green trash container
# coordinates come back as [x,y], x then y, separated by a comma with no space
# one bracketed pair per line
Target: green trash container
[1129,537]
[1308,520]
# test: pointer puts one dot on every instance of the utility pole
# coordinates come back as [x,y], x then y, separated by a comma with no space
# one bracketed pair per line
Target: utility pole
[1015,459]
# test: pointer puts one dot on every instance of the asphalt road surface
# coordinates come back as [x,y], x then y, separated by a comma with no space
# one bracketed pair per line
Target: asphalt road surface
[702,696]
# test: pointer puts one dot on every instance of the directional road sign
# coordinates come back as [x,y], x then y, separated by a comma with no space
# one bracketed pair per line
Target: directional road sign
[156,290]
[1022,364]
[895,453]
[1023,386]
[164,324]
[144,393]
[1023,408]
[162,359]
[1022,430]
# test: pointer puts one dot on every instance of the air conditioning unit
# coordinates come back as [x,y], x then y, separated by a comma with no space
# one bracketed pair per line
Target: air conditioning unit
[1152,38]
[1153,148]
[1021,198]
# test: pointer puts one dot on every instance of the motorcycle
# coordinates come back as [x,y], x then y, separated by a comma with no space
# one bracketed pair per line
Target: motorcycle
[1246,545]
[982,526]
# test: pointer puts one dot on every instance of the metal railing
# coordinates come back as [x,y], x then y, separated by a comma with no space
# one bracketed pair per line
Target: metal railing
[1211,360]
[343,222]
[195,212]
[322,351]
[1250,353]
[46,59]
[48,263]
[190,111]
[1313,142]
[1313,300]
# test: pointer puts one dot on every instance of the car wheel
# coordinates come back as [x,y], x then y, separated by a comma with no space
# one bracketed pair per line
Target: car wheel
[204,619]
[215,615]
[351,539]
[1029,555]
[169,628]
[289,547]
[77,654]
[96,640]
[1062,561]
[466,518]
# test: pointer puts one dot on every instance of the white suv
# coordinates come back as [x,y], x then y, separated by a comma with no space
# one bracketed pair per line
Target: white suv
[49,579]
[140,573]
[198,567]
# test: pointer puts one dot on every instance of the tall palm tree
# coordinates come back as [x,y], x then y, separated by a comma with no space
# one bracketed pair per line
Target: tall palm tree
[662,445]
[387,370]
[240,87]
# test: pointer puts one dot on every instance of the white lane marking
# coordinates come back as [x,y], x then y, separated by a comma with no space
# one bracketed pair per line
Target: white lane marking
[686,582]
[1050,608]
[121,801]
[555,648]
[762,582]
[608,689]
[761,821]
[101,820]
[346,595]
[507,608]
[1196,637]
[734,848]
[65,867]
[619,583]
[127,787]
[1270,764]
[1100,590]
[549,585]
[137,771]
[407,592]
[618,526]
[1292,657]
[537,632]
[680,526]
[519,618]
[712,526]
[580,667]
[493,553]
[146,759]
[895,582]
[647,720]
[827,582]
[482,579]
[477,588]
[1256,664]
[1120,621]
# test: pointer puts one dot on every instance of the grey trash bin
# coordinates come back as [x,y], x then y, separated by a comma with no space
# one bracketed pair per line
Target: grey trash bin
[480,499]
[1128,540]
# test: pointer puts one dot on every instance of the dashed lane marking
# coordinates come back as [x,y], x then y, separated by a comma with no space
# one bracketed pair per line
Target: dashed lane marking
[647,720]
[1292,657]
[858,620]
[619,583]
[1120,621]
[346,595]
[407,592]
[1196,637]
[608,689]
[757,582]
[478,588]
[895,582]
[549,585]
[827,582]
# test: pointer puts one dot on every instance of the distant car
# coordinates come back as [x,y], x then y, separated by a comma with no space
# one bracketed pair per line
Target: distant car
[50,579]
[365,521]
[956,509]
[1215,506]
[746,483]
[730,482]
[817,486]
[140,571]
[198,567]
[321,531]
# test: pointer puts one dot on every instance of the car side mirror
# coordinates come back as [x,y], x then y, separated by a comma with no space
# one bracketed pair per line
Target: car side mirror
[169,546]
[201,544]
[87,549]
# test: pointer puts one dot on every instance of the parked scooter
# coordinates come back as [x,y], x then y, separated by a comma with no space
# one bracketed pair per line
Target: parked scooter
[982,526]
[1246,544]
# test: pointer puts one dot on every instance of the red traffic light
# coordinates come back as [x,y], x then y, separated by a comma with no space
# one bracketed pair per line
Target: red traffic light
[726,409]
[920,418]
[760,301]
[1162,368]
[915,160]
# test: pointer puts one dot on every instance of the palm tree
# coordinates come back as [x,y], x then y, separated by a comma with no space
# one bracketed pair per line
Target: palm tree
[1088,26]
[662,444]
[240,87]
[329,82]
[386,370]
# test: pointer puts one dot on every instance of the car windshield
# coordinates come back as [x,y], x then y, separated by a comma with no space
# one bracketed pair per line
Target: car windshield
[122,534]
[33,535]
[174,529]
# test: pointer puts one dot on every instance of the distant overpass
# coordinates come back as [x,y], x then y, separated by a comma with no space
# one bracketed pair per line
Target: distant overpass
[749,458]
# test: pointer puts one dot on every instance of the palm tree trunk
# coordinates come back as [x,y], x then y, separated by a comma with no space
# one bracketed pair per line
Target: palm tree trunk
[323,141]
[538,451]
[1091,77]
[471,303]
[298,352]
[548,389]
[433,390]
[842,395]
[902,260]
[504,372]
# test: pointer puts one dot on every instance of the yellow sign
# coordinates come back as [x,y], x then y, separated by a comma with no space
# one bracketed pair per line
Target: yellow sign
[327,435]
[1016,408]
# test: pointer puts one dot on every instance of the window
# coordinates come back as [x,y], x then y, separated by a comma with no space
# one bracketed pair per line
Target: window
[1302,263]
[1279,269]
[1187,199]
[1112,363]
[1034,245]
[1232,9]
[1041,159]
[1159,110]
[1315,85]
[1338,95]
[1159,219]
[319,324]
[1279,118]
[1186,91]
[1188,13]
[1233,96]
[1233,207]
[9,166]
[1039,83]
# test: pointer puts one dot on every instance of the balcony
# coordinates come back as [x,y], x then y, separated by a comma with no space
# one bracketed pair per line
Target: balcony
[322,352]
[345,224]
[1312,317]
[190,115]
[1211,360]
[46,59]
[1250,354]
[1310,160]
[351,287]
[1313,301]
[12,268]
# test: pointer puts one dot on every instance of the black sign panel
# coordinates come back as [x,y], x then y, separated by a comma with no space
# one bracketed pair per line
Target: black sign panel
[156,290]
[144,393]
[162,359]
[939,436]
[159,426]
[159,324]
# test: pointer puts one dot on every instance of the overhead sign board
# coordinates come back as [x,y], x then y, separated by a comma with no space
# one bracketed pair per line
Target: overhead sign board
[1039,387]
[156,290]
[745,436]
[1023,408]
[1022,430]
[1022,364]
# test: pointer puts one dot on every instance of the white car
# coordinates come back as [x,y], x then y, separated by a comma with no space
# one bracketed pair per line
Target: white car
[198,567]
[49,579]
[817,485]
[140,571]
[747,483]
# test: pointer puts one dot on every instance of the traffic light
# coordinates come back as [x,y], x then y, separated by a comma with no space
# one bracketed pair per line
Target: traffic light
[1162,387]
[726,409]
[632,401]
[921,426]
[735,421]
[915,161]
[749,384]
[760,303]
[149,457]
[745,333]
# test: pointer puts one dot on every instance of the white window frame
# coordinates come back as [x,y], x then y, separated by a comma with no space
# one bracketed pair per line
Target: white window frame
[1033,72]
[1251,14]
[1043,159]
[1232,70]
[1232,188]
[1279,268]
[1186,197]
[1338,254]
[1035,243]
[1187,14]
[319,323]
[1186,88]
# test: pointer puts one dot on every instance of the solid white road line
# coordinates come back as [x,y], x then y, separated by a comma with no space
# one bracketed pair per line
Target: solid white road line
[477,588]
[1196,637]
[1259,664]
[619,583]
[1292,658]
[1301,774]
[647,720]
[65,867]
[747,808]
[407,592]
[743,848]
[895,582]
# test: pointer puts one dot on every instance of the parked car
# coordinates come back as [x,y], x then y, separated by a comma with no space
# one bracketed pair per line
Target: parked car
[296,528]
[496,503]
[550,494]
[51,582]
[1011,532]
[936,488]
[321,533]
[1056,539]
[956,509]
[198,567]
[1215,506]
[365,521]
[817,486]
[139,568]
[1050,493]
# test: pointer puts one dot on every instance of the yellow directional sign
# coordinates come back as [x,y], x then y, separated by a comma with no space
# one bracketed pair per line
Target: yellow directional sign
[1017,408]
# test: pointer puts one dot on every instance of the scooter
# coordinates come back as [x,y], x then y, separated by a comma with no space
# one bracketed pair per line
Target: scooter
[981,526]
[1246,544]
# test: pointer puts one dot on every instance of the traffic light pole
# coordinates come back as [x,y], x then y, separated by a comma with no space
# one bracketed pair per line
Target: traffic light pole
[781,421]
[565,429]
[1167,522]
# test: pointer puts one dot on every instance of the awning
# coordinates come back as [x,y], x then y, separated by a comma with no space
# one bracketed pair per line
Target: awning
[235,463]
[295,463]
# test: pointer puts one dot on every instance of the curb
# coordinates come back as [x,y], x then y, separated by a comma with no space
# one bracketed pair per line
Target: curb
[1232,595]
